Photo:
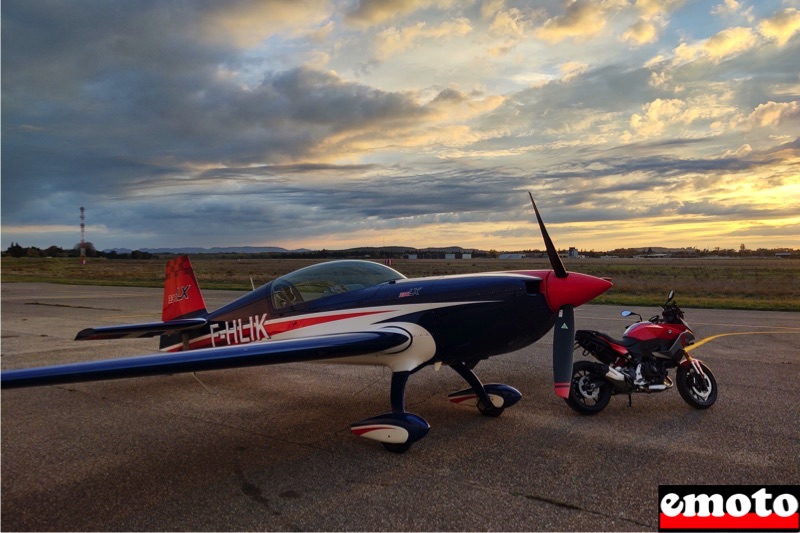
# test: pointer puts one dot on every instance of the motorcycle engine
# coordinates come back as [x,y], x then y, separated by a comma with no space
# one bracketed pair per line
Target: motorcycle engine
[653,372]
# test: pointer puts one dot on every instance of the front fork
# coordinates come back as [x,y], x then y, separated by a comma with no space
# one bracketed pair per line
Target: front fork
[694,362]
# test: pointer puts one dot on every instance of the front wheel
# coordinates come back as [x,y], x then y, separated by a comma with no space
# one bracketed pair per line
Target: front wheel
[588,393]
[699,391]
[489,410]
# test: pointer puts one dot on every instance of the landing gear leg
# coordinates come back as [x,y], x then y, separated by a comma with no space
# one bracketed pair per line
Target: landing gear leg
[485,405]
[492,399]
[398,391]
[398,399]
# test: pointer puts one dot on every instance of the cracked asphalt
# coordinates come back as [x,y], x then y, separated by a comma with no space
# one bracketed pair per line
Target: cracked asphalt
[270,448]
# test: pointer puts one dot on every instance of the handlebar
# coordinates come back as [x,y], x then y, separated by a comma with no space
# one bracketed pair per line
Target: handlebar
[670,314]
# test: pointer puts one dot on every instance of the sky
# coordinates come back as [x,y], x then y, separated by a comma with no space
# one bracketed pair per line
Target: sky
[343,123]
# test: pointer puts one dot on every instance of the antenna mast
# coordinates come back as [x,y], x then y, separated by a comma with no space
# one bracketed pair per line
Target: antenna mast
[83,240]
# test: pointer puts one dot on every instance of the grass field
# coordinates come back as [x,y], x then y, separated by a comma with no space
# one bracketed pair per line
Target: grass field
[765,284]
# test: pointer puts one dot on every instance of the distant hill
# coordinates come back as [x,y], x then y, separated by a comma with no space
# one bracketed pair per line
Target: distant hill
[215,250]
[277,250]
[404,249]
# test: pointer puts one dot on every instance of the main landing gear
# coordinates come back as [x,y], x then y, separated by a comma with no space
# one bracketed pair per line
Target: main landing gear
[399,430]
[490,399]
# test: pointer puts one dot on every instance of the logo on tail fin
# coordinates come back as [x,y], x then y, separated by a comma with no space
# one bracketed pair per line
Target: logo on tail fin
[181,294]
[182,297]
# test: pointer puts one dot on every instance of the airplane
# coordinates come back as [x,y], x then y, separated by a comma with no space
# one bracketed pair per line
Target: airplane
[358,312]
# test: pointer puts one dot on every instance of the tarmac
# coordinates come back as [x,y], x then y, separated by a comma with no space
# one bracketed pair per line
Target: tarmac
[269,448]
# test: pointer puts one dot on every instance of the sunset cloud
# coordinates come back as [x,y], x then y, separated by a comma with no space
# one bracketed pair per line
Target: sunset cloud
[581,20]
[393,41]
[773,114]
[724,45]
[374,12]
[245,24]
[422,122]
[781,27]
[640,33]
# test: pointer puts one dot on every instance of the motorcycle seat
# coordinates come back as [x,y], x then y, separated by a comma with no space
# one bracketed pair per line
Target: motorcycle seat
[619,342]
[626,342]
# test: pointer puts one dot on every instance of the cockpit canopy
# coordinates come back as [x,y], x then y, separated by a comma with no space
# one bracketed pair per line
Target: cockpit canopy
[327,279]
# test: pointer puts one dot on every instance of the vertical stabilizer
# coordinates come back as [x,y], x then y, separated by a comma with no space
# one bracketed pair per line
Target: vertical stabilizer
[182,297]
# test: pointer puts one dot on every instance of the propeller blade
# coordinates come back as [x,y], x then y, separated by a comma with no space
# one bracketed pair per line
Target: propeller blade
[552,253]
[563,346]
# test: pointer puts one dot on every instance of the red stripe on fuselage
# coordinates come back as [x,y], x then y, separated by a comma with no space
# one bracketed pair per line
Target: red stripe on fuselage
[297,323]
[273,328]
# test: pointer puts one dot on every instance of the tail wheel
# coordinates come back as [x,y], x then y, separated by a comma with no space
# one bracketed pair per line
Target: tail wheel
[698,390]
[588,393]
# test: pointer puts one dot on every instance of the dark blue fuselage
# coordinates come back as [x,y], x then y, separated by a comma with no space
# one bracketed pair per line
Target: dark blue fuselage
[470,317]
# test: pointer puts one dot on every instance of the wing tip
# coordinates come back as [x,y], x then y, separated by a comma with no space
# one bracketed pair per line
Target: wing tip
[85,334]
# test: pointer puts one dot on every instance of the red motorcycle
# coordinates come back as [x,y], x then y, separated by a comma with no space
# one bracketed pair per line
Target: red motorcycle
[640,362]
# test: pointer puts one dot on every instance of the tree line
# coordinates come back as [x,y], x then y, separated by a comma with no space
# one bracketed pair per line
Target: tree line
[16,250]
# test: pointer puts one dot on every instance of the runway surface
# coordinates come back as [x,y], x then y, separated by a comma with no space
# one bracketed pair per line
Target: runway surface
[270,448]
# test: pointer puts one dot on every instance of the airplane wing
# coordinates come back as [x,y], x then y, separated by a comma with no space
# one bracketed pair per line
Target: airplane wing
[254,354]
[135,331]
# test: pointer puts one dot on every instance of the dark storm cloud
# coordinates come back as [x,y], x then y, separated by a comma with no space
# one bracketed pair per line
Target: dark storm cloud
[97,99]
[273,204]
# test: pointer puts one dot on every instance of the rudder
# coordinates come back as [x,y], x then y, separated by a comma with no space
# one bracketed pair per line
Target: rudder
[182,296]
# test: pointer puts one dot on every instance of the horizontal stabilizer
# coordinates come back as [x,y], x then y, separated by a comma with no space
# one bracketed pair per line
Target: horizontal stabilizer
[242,355]
[136,331]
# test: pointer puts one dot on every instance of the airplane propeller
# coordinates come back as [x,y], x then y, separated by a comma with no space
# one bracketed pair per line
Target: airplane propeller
[564,331]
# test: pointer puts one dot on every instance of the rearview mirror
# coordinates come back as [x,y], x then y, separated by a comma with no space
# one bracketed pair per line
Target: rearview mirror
[626,313]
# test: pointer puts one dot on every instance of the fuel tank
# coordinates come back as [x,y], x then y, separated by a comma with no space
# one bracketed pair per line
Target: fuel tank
[647,331]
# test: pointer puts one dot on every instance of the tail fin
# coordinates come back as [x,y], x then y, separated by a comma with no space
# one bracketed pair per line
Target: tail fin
[182,297]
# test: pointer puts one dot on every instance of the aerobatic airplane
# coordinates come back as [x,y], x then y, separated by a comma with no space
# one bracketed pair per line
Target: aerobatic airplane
[356,312]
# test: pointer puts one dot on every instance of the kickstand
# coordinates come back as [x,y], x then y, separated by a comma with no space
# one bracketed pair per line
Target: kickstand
[629,400]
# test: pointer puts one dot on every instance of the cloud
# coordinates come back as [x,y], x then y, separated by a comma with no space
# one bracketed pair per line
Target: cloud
[742,151]
[571,69]
[710,109]
[726,44]
[781,27]
[728,7]
[581,20]
[730,42]
[393,40]
[246,23]
[508,26]
[640,33]
[657,115]
[773,114]
[655,8]
[373,12]
[652,19]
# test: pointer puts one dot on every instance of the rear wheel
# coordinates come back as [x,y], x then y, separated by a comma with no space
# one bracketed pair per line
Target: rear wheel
[588,393]
[698,390]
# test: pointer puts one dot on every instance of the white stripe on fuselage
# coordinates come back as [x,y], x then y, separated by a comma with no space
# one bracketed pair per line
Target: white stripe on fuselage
[371,317]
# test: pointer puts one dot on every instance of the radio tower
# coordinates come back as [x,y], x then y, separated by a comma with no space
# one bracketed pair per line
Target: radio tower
[83,240]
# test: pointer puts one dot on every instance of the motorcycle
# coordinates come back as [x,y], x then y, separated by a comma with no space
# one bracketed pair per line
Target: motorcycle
[640,363]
